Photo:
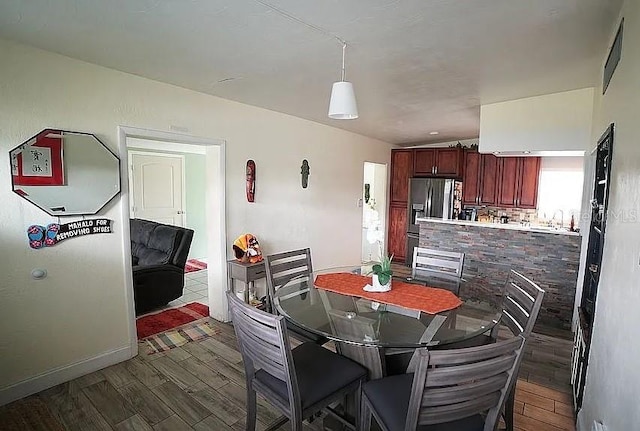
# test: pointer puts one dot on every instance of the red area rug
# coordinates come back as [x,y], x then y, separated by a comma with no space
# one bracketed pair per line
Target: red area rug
[169,319]
[193,265]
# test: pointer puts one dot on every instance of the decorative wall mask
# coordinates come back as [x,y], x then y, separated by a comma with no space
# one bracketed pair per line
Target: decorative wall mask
[251,180]
[65,173]
[304,171]
[39,236]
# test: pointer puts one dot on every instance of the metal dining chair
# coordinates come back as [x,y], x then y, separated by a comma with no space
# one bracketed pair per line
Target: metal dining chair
[299,382]
[283,268]
[457,390]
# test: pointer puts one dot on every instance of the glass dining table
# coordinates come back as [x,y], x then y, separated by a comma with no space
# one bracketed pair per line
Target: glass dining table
[355,320]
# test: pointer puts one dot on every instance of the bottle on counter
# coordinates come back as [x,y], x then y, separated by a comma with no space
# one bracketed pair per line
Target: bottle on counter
[572,224]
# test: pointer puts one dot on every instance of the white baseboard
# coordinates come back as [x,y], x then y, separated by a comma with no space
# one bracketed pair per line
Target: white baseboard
[63,374]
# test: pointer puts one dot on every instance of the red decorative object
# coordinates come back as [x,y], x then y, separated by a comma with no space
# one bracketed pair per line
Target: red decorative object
[251,180]
[40,163]
[169,319]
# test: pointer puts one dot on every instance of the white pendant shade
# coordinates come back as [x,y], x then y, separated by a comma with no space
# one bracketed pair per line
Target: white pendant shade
[342,105]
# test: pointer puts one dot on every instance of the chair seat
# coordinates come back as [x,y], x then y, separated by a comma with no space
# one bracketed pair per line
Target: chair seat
[393,409]
[319,372]
[304,335]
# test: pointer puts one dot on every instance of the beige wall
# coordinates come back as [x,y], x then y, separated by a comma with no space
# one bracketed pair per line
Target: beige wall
[552,122]
[613,379]
[78,312]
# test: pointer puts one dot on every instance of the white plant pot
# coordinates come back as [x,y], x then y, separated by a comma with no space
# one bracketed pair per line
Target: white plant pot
[380,287]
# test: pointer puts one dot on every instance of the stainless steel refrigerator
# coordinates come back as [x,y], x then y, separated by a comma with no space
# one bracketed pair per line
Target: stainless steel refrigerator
[428,197]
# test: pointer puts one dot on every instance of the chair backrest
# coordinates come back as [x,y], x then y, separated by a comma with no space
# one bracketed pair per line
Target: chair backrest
[429,262]
[454,384]
[346,324]
[264,344]
[281,268]
[521,305]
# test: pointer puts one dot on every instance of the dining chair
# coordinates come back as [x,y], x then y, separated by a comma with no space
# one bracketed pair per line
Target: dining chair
[348,325]
[520,307]
[283,268]
[436,261]
[444,265]
[457,390]
[299,382]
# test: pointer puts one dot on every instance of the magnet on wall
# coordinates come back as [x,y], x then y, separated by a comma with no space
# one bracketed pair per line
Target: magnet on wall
[304,171]
[251,181]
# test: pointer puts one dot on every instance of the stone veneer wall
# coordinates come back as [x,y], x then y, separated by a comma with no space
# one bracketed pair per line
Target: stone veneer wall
[550,260]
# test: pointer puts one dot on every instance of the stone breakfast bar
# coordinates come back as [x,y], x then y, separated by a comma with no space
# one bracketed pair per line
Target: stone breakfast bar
[548,257]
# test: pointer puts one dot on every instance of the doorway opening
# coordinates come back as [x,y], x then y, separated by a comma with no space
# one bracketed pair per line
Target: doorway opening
[168,185]
[178,179]
[374,211]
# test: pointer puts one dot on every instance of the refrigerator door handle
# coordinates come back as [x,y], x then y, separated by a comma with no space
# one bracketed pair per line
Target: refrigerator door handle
[429,196]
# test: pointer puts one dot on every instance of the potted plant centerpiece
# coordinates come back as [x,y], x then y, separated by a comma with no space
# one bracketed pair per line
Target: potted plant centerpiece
[382,275]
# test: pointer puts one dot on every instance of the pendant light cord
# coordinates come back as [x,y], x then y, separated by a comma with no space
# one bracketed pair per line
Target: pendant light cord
[344,49]
[300,21]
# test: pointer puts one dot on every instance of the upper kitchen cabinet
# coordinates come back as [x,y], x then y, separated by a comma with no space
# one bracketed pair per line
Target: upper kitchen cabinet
[479,183]
[518,182]
[438,162]
[401,172]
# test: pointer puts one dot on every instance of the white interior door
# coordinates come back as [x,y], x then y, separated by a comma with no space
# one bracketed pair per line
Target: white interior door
[157,187]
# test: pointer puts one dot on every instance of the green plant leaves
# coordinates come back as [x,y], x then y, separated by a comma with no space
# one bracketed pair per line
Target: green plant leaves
[384,278]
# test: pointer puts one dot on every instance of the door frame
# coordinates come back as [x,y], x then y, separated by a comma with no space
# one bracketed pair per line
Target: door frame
[384,209]
[216,216]
[183,179]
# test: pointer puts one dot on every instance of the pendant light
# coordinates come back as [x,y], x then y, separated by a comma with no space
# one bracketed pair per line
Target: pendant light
[342,105]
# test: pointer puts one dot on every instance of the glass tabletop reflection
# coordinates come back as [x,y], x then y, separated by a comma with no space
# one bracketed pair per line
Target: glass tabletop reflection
[361,321]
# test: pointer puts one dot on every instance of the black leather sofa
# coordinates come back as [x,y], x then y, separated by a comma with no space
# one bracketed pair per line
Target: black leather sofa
[159,253]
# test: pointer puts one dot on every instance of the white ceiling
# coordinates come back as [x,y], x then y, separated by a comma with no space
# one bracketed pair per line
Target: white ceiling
[417,66]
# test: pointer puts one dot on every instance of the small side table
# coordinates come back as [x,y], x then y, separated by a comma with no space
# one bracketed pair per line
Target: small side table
[245,272]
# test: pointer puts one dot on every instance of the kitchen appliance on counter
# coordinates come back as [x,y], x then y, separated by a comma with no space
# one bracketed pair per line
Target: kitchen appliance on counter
[428,197]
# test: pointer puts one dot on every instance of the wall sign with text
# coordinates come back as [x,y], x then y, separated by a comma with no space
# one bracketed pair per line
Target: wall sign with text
[40,236]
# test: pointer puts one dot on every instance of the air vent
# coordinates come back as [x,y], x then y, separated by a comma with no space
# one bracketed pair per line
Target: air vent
[612,59]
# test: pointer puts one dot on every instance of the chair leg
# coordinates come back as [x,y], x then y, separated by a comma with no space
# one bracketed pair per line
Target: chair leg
[251,409]
[296,425]
[357,407]
[365,414]
[508,409]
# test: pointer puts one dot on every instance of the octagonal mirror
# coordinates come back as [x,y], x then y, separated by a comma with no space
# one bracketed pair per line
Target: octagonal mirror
[65,173]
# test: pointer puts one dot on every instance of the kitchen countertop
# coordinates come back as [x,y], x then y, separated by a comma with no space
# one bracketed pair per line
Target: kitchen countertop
[508,226]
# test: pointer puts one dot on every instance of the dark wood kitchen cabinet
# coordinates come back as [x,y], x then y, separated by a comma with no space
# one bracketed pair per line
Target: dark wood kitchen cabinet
[479,183]
[401,172]
[518,182]
[438,162]
[397,244]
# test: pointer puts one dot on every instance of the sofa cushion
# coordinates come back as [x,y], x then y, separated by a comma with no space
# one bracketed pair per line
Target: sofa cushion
[153,243]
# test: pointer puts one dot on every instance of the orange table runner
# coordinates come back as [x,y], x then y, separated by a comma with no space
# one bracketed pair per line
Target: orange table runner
[413,296]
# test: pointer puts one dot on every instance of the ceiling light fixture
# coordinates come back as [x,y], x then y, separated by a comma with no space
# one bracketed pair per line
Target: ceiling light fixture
[342,105]
[434,133]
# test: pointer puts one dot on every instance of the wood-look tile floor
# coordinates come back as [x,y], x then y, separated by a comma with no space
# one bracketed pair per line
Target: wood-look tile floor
[200,386]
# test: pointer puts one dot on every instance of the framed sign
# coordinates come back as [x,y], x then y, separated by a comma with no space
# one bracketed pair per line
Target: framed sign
[39,161]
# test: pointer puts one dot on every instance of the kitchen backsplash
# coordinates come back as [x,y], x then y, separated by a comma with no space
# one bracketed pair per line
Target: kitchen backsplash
[516,215]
